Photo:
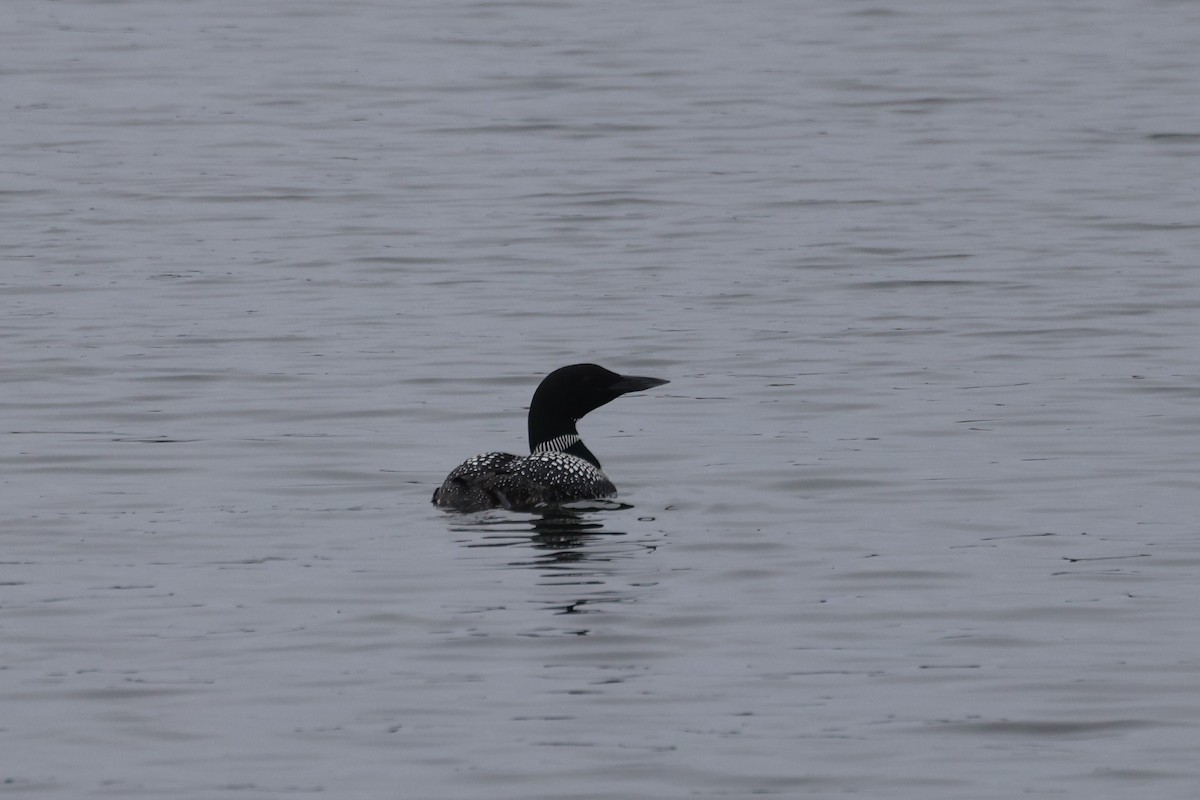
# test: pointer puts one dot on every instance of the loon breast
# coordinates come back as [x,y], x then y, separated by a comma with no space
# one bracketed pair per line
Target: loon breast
[522,483]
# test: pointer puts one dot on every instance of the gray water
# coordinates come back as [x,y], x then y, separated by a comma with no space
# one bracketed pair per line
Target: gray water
[915,517]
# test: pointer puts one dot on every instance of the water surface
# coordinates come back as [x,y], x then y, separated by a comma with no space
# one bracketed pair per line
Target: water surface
[914,518]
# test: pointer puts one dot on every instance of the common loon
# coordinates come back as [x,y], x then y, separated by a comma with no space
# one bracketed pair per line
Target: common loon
[559,469]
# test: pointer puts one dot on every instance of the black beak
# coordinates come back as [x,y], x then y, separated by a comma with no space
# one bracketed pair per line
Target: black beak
[634,383]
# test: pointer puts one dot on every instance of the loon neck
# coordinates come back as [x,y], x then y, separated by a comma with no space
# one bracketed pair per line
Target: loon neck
[565,442]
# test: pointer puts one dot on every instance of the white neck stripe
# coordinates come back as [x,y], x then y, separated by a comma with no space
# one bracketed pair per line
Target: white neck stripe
[558,443]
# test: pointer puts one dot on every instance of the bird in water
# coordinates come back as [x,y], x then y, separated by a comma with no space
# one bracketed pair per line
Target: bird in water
[559,468]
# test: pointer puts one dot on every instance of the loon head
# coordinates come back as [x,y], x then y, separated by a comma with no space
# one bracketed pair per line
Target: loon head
[567,394]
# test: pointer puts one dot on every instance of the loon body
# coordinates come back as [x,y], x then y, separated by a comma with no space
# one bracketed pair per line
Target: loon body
[559,469]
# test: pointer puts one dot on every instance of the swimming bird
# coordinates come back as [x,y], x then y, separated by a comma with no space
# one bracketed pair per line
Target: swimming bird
[559,468]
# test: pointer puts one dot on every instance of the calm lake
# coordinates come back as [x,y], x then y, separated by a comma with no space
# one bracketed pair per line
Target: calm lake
[915,517]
